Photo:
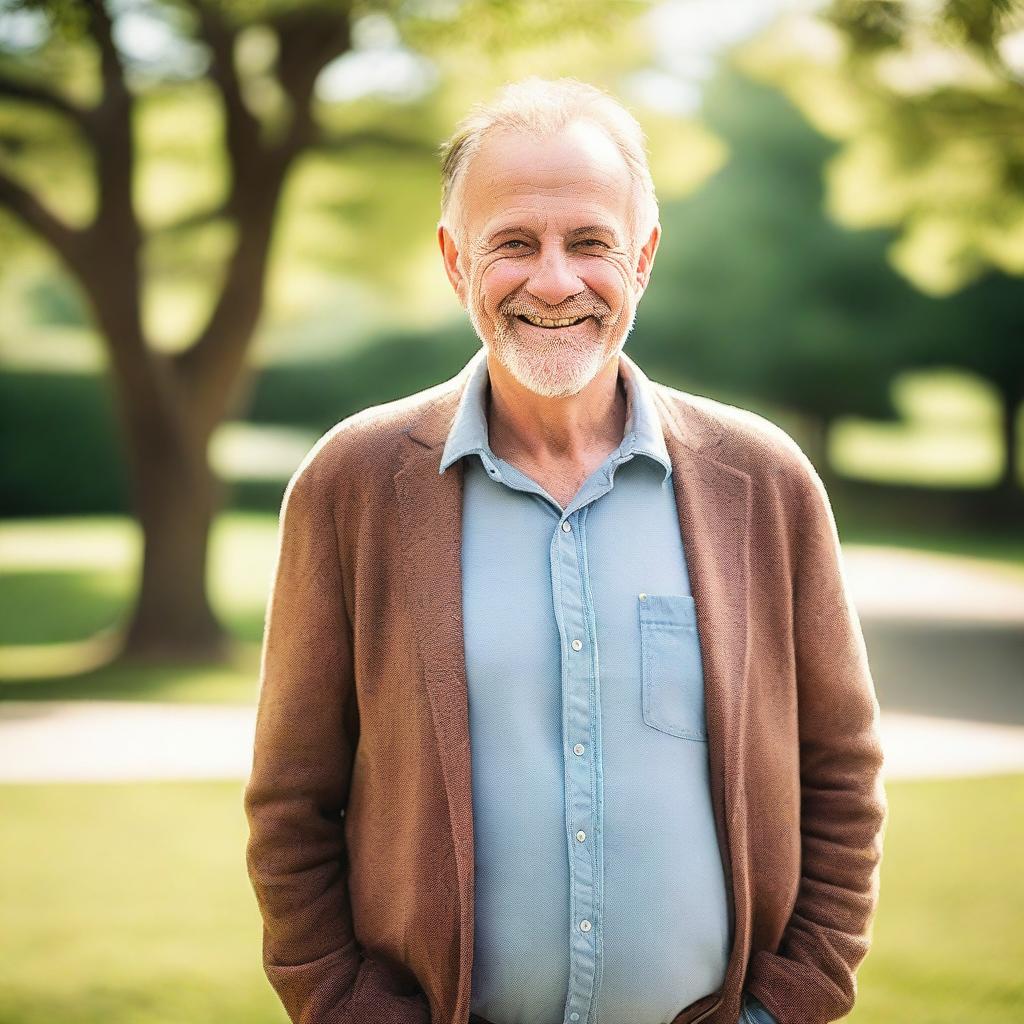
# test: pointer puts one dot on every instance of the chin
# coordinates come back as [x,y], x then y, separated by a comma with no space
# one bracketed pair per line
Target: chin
[557,373]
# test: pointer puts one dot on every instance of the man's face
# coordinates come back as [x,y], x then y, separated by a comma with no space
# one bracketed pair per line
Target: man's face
[547,231]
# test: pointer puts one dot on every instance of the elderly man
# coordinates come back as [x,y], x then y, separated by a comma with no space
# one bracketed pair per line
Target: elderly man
[565,713]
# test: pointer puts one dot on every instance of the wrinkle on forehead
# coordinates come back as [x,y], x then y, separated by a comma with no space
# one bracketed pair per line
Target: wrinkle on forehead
[536,221]
[581,166]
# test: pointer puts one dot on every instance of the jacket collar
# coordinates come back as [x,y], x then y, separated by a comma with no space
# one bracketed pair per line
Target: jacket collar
[713,499]
[468,434]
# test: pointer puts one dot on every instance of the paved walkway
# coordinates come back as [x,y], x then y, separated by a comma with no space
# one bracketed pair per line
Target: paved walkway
[904,584]
[107,741]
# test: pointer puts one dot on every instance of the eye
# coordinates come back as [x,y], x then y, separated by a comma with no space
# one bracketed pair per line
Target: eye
[593,241]
[511,241]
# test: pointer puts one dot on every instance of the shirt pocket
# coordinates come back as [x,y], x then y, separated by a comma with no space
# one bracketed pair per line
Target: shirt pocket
[672,677]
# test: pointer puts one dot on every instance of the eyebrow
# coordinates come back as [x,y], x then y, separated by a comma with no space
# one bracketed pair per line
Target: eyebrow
[603,229]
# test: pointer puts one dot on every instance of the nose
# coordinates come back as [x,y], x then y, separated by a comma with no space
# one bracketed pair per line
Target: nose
[553,280]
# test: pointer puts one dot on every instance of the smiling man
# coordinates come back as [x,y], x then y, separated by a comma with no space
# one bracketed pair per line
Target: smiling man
[565,712]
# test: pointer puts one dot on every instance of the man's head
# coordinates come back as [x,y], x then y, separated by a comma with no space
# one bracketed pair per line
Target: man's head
[548,211]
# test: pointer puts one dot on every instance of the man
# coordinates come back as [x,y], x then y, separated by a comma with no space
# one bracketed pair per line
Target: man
[565,712]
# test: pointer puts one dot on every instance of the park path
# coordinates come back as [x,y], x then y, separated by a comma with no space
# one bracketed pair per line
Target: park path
[945,636]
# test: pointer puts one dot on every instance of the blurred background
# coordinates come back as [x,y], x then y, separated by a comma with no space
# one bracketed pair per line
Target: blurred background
[217,239]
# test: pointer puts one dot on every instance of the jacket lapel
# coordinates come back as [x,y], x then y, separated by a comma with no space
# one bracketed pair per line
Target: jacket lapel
[713,500]
[430,513]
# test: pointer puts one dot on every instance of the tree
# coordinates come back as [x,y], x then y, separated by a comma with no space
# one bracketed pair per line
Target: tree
[926,103]
[170,402]
[758,293]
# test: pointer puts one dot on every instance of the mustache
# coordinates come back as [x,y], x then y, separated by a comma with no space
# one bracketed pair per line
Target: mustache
[573,312]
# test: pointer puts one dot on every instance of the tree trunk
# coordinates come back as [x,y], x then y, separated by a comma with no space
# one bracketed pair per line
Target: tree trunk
[176,498]
[1010,494]
[172,619]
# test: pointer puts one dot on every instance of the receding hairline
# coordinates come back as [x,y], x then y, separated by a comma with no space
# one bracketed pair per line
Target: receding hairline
[500,133]
[539,108]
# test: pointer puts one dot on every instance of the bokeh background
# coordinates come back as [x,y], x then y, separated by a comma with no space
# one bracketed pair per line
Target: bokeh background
[217,239]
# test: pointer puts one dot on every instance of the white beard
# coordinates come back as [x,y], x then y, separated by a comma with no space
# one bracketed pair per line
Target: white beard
[563,366]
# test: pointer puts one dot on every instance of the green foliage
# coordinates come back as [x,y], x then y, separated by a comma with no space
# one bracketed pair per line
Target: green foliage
[58,445]
[926,99]
[755,290]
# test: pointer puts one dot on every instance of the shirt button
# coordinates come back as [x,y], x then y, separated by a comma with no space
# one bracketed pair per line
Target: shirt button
[578,749]
[584,926]
[643,597]
[577,644]
[566,527]
[574,1016]
[581,835]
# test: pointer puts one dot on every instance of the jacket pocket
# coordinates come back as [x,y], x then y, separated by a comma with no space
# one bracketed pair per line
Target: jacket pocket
[672,677]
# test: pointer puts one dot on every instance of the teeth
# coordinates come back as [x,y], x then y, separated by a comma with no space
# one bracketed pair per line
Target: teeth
[541,322]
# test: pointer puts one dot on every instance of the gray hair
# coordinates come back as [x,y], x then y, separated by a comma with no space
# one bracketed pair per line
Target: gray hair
[543,107]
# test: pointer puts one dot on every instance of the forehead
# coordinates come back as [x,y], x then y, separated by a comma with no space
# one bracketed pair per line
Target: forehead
[577,173]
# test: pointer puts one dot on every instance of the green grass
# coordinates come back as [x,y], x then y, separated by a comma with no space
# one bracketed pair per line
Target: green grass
[948,942]
[66,580]
[191,684]
[990,545]
[130,903]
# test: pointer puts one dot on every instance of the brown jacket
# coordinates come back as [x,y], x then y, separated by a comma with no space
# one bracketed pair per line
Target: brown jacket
[359,803]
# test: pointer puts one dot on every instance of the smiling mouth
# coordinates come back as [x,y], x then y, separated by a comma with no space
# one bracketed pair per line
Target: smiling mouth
[539,321]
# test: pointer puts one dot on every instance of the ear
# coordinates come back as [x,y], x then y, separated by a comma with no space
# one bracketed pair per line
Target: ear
[645,261]
[450,255]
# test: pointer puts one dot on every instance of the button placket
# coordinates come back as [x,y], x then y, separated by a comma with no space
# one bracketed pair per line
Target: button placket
[578,670]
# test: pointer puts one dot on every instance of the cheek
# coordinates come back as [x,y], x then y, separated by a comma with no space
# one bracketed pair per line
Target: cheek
[498,281]
[611,280]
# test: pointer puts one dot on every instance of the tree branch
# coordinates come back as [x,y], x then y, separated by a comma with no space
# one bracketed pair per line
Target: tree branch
[39,95]
[308,39]
[242,129]
[66,240]
[111,69]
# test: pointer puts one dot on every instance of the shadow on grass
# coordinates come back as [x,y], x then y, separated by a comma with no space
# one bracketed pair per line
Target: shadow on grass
[234,683]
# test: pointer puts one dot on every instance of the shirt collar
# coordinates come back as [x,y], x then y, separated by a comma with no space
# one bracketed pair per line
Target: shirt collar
[642,435]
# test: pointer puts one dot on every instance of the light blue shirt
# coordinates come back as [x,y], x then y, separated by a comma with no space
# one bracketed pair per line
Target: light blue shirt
[600,889]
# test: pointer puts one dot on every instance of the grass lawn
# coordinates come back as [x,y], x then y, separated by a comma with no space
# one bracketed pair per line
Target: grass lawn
[67,581]
[130,903]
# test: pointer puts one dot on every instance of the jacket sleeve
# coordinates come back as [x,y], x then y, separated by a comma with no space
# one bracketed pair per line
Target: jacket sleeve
[811,979]
[295,798]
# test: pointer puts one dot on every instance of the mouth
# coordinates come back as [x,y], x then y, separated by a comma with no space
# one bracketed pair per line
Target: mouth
[539,321]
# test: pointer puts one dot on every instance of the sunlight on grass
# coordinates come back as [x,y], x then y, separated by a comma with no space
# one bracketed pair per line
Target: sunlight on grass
[949,435]
[67,584]
[157,921]
[258,451]
[947,938]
